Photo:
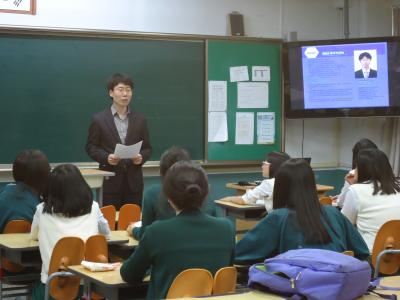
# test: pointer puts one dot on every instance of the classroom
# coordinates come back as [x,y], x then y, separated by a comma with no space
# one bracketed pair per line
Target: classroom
[57,58]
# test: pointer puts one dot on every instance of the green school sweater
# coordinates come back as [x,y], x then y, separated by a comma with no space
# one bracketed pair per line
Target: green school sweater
[276,234]
[17,202]
[192,239]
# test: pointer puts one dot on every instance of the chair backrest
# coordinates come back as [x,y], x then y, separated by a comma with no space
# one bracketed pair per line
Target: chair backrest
[128,213]
[15,226]
[191,283]
[388,237]
[325,200]
[225,281]
[68,251]
[96,249]
[109,212]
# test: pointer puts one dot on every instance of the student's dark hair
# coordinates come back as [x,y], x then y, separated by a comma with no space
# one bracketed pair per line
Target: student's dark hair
[185,184]
[171,156]
[276,159]
[68,192]
[295,190]
[32,168]
[361,145]
[364,54]
[373,166]
[118,78]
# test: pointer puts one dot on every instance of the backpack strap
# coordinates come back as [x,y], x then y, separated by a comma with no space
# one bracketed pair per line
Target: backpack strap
[376,283]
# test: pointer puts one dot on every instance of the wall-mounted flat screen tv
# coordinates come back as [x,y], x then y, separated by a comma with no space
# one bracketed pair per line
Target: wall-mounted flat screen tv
[342,78]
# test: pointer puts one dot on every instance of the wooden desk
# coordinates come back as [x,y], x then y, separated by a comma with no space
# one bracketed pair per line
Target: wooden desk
[240,211]
[21,249]
[123,250]
[241,189]
[257,295]
[109,283]
[93,177]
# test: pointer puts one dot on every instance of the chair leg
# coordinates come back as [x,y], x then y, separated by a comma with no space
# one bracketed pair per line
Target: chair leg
[50,278]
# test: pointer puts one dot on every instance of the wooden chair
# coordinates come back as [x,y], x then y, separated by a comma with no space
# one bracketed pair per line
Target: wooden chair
[386,249]
[325,200]
[61,284]
[109,212]
[20,281]
[15,226]
[128,213]
[191,283]
[96,250]
[225,281]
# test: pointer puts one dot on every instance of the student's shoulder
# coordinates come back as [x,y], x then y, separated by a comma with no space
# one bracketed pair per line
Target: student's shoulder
[219,222]
[153,189]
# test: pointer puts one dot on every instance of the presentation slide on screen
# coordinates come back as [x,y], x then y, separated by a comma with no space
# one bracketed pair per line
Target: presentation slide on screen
[345,76]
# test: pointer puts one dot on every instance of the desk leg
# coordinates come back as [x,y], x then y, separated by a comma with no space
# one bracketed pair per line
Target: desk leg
[87,290]
[224,212]
[1,283]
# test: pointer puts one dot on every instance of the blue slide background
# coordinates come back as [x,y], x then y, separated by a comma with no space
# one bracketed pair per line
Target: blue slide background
[329,80]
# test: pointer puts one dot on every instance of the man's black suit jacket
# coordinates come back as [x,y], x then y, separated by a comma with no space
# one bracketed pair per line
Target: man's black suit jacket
[102,138]
[372,74]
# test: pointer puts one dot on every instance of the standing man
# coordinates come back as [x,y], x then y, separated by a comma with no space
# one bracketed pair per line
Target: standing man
[118,124]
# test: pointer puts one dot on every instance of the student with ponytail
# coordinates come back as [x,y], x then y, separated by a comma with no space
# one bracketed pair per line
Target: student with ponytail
[191,239]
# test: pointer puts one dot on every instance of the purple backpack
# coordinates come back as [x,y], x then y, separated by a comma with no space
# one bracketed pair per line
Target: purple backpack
[314,274]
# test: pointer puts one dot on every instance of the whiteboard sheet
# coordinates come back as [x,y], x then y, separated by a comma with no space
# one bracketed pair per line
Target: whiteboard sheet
[252,95]
[217,92]
[244,128]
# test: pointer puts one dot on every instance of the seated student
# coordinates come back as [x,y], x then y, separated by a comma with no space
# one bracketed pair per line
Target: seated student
[18,201]
[375,198]
[298,220]
[191,239]
[155,205]
[67,210]
[263,192]
[349,178]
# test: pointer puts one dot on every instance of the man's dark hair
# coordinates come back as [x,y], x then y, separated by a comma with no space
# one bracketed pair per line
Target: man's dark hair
[364,54]
[118,78]
[32,168]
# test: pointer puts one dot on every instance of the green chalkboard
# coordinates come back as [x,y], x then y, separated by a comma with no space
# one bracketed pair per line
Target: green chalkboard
[51,85]
[221,56]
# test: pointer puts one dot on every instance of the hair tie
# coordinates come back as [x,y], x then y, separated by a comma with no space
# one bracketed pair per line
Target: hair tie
[192,188]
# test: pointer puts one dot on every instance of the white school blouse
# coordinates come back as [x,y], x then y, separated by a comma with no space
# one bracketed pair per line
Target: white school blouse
[49,228]
[369,212]
[261,193]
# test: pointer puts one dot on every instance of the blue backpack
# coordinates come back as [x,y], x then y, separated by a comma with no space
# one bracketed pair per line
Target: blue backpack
[314,274]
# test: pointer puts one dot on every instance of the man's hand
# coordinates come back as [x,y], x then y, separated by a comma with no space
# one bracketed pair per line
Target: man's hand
[137,160]
[113,159]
